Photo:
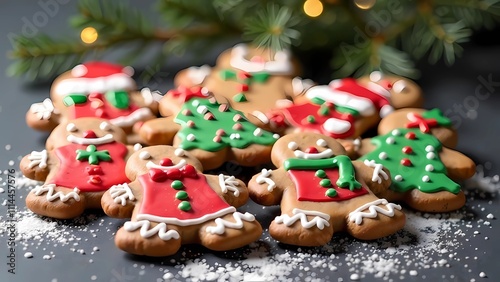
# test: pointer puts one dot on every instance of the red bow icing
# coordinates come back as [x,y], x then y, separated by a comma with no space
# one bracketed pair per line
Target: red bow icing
[424,124]
[184,94]
[159,175]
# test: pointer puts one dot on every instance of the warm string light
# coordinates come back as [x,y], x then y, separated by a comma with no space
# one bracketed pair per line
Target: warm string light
[364,4]
[313,8]
[89,35]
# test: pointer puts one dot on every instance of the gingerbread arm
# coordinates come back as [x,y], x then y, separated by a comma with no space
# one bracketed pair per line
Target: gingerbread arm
[36,165]
[159,131]
[43,116]
[376,177]
[458,165]
[364,147]
[233,190]
[119,200]
[266,188]
[146,98]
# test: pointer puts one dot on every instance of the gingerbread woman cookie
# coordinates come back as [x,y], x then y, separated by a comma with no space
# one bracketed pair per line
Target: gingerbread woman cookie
[411,145]
[170,203]
[251,80]
[83,158]
[213,133]
[95,89]
[321,191]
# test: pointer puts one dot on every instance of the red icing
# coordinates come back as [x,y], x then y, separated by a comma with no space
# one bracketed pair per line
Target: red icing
[410,135]
[407,150]
[184,94]
[312,150]
[90,178]
[297,115]
[89,134]
[309,189]
[105,109]
[406,162]
[159,198]
[422,123]
[351,86]
[100,69]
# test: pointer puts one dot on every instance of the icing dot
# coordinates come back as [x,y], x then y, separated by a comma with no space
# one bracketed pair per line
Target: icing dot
[257,132]
[195,103]
[382,155]
[426,178]
[406,162]
[144,155]
[237,126]
[331,193]
[276,136]
[321,142]
[179,152]
[320,173]
[429,148]
[429,167]
[399,86]
[407,150]
[217,139]
[71,127]
[430,155]
[237,117]
[202,109]
[390,140]
[310,119]
[396,132]
[375,76]
[220,132]
[223,107]
[184,206]
[186,112]
[181,195]
[190,124]
[235,136]
[209,116]
[293,146]
[105,126]
[398,178]
[177,185]
[137,147]
[190,137]
[410,135]
[325,183]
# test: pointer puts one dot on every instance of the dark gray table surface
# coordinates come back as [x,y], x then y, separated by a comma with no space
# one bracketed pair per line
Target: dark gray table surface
[459,246]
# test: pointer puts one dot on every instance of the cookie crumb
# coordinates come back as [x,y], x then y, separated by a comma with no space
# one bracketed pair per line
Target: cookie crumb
[28,255]
[482,275]
[490,216]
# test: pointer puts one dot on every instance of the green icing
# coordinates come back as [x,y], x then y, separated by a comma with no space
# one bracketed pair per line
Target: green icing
[325,183]
[92,155]
[184,206]
[408,178]
[311,119]
[259,77]
[177,184]
[331,193]
[320,173]
[346,110]
[119,99]
[240,97]
[205,130]
[181,195]
[437,114]
[74,99]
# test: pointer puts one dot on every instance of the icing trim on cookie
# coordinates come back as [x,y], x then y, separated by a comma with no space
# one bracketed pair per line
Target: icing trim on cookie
[43,110]
[222,224]
[313,156]
[135,116]
[146,231]
[108,138]
[94,85]
[320,219]
[357,215]
[187,222]
[263,177]
[229,183]
[51,196]
[198,74]
[121,193]
[281,64]
[38,158]
[179,165]
[378,170]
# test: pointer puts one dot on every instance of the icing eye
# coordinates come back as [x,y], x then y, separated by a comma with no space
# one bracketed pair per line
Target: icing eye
[293,146]
[375,76]
[179,152]
[71,127]
[399,86]
[144,155]
[321,143]
[105,126]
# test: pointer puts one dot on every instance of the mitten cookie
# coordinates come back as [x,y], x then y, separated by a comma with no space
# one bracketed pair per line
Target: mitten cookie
[251,80]
[172,203]
[410,146]
[83,158]
[95,89]
[213,133]
[321,191]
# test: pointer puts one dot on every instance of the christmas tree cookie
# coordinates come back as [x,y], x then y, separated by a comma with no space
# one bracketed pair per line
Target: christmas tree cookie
[423,170]
[321,191]
[170,203]
[213,133]
[83,158]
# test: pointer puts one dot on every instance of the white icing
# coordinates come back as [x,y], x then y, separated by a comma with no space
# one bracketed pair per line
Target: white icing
[373,210]
[146,230]
[398,178]
[83,85]
[276,136]
[429,167]
[144,155]
[281,64]
[71,127]
[235,136]
[396,132]
[128,70]
[121,193]
[198,74]
[390,140]
[261,116]
[283,103]
[363,105]
[399,86]
[321,143]
[222,224]
[179,152]
[375,76]
[195,103]
[377,171]
[229,183]
[378,89]
[43,110]
[179,165]
[313,156]
[429,148]
[137,147]
[38,158]
[382,155]
[135,116]
[386,110]
[105,126]
[190,137]
[202,109]
[79,71]
[148,96]
[187,222]
[336,125]
[263,177]
[257,132]
[108,138]
[293,145]
[426,178]
[430,155]
[299,85]
[357,143]
[51,196]
[320,219]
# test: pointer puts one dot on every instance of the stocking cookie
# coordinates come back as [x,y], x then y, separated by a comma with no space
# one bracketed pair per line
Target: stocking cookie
[95,89]
[171,202]
[83,158]
[411,145]
[251,80]
[213,133]
[321,191]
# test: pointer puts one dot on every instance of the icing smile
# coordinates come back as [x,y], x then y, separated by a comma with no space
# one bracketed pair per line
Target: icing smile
[108,138]
[313,156]
[179,165]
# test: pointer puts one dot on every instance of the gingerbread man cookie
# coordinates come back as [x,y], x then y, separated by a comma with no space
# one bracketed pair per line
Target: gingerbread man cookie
[213,133]
[411,145]
[95,89]
[321,191]
[171,202]
[251,80]
[83,158]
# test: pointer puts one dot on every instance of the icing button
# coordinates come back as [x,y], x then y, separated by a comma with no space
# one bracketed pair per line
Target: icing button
[189,171]
[410,135]
[320,173]
[331,193]
[181,195]
[407,150]
[177,184]
[325,183]
[184,206]
[157,175]
[174,173]
[406,162]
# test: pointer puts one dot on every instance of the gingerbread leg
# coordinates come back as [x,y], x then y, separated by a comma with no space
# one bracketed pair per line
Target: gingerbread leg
[55,201]
[443,201]
[302,227]
[231,231]
[148,238]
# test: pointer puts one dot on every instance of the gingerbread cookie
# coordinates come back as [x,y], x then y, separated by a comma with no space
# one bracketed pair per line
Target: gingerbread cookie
[321,191]
[83,158]
[213,133]
[171,202]
[95,89]
[251,80]
[411,144]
